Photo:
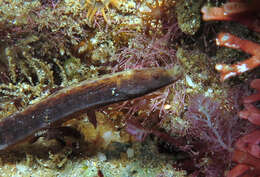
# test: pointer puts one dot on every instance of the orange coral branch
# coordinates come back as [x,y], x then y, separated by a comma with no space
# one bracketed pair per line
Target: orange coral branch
[248,165]
[246,13]
[227,11]
[238,170]
[250,144]
[242,12]
[255,97]
[247,148]
[247,159]
[231,41]
[250,112]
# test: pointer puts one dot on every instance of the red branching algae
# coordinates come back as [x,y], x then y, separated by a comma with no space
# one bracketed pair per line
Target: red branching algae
[216,130]
[208,123]
[147,52]
[247,149]
[251,113]
[135,129]
[250,143]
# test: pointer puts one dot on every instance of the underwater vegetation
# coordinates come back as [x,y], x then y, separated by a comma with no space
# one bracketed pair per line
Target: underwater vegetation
[90,88]
[247,150]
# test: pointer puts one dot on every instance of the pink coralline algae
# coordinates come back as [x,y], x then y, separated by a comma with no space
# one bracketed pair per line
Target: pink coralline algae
[241,11]
[231,41]
[251,113]
[246,13]
[247,148]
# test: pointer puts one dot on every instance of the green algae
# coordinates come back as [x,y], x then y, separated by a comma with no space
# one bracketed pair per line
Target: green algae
[188,15]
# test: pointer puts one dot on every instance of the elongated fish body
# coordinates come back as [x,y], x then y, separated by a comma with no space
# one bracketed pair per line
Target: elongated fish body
[90,94]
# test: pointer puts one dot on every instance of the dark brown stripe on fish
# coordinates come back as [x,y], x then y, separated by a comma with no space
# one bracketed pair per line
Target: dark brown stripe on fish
[65,103]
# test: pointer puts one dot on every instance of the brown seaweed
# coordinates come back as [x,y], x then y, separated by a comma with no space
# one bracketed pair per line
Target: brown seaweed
[64,104]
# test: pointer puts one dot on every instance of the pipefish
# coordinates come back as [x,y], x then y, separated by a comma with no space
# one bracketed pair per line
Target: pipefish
[90,94]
